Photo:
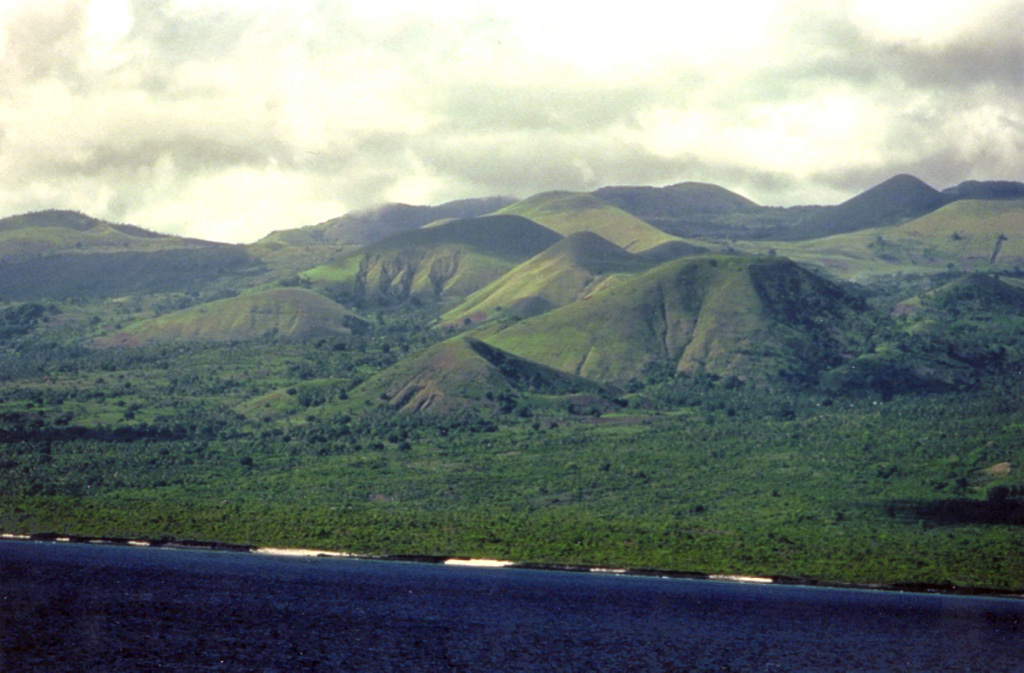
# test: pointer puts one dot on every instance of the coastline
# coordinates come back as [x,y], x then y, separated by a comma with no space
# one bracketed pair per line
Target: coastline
[465,562]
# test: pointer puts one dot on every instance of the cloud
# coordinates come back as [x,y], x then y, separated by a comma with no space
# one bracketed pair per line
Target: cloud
[228,119]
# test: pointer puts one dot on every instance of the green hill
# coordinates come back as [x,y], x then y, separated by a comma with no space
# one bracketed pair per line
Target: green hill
[284,313]
[964,235]
[453,259]
[753,318]
[562,274]
[688,209]
[973,293]
[97,275]
[569,213]
[463,372]
[59,254]
[52,232]
[898,199]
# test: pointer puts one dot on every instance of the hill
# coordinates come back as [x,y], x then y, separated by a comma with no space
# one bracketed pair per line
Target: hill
[51,232]
[61,254]
[975,292]
[560,275]
[463,372]
[898,199]
[988,189]
[687,209]
[453,259]
[752,318]
[376,224]
[939,346]
[98,275]
[569,213]
[283,313]
[964,235]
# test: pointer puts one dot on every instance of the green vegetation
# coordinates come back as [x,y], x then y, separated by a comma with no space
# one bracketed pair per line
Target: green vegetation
[569,213]
[287,313]
[389,383]
[275,443]
[569,270]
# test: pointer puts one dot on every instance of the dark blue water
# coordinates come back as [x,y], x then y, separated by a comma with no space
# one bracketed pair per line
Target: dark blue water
[66,607]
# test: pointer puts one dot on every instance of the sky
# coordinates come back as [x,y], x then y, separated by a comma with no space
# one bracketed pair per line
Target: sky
[228,119]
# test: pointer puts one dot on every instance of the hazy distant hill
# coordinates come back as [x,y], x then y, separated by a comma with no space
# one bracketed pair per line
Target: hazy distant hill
[896,200]
[697,210]
[284,313]
[58,254]
[377,224]
[753,318]
[991,189]
[58,231]
[964,235]
[688,209]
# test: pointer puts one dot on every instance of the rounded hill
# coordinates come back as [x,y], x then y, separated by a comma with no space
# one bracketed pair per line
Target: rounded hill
[750,317]
[283,313]
[560,275]
[569,212]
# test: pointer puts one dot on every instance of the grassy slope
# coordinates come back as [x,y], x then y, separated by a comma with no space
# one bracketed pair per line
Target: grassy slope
[963,234]
[55,232]
[560,275]
[285,313]
[463,371]
[716,314]
[452,259]
[568,213]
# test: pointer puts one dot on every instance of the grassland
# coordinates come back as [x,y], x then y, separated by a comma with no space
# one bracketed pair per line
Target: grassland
[965,236]
[568,213]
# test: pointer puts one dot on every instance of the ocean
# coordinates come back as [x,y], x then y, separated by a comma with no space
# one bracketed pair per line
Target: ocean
[87,607]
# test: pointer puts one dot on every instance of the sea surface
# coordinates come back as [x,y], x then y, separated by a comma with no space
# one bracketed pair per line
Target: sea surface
[81,607]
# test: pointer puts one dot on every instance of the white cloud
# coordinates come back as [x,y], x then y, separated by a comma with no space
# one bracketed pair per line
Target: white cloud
[925,22]
[228,119]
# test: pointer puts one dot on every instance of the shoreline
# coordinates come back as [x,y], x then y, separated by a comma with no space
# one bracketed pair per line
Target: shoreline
[466,562]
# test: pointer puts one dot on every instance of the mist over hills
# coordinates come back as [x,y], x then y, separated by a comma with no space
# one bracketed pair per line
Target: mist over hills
[376,224]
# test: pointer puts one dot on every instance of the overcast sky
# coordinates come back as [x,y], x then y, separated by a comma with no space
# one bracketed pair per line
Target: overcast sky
[226,119]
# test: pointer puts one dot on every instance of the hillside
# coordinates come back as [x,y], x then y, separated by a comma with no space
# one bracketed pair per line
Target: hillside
[283,313]
[51,232]
[898,199]
[569,213]
[453,259]
[560,275]
[752,318]
[463,372]
[59,254]
[377,224]
[985,190]
[687,209]
[964,235]
[976,292]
